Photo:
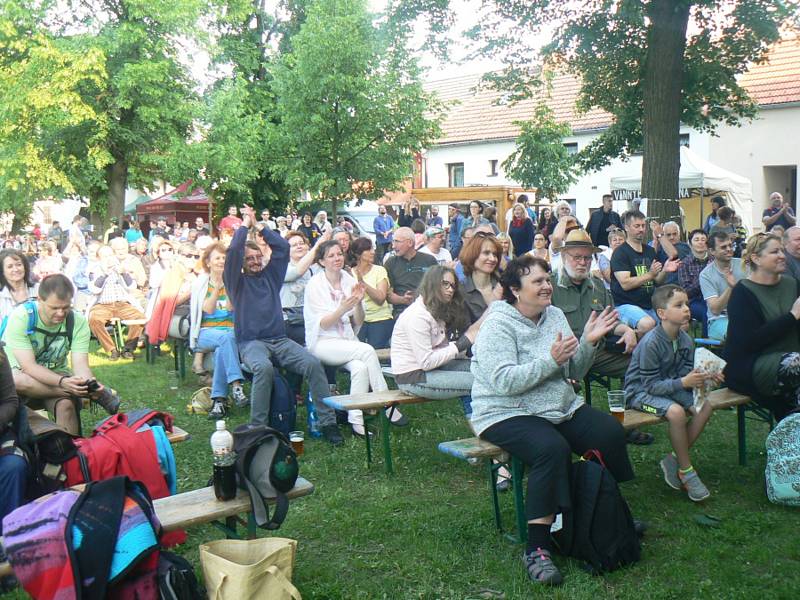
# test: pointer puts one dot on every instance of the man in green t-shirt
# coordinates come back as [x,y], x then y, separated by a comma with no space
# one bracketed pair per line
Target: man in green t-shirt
[39,356]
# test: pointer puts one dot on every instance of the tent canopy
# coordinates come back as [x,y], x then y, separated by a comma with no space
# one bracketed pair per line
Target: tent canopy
[184,203]
[698,173]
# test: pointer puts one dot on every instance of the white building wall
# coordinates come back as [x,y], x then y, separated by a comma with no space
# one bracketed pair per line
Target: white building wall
[764,151]
[587,191]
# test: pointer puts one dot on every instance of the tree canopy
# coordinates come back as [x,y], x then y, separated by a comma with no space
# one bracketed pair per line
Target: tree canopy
[652,64]
[350,110]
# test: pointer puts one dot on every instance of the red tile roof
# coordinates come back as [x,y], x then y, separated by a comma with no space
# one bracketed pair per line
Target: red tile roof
[777,80]
[475,116]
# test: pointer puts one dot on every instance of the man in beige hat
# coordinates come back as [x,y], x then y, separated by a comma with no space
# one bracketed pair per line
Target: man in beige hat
[578,294]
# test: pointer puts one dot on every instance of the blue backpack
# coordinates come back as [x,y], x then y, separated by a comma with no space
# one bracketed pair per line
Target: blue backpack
[30,308]
[283,408]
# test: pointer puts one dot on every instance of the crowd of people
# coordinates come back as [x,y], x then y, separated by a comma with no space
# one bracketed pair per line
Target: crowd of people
[508,321]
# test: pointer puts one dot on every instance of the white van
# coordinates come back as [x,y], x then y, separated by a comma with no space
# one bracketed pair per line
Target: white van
[361,218]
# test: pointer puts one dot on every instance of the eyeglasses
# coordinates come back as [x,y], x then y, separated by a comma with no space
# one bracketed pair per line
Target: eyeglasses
[580,257]
[448,285]
[165,250]
[482,234]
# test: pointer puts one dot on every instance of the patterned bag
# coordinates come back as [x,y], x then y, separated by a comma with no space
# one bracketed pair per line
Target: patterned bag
[201,402]
[783,462]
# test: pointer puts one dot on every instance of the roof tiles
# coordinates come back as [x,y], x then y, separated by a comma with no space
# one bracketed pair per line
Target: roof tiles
[475,114]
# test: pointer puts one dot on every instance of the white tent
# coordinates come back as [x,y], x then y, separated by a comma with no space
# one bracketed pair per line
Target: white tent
[698,173]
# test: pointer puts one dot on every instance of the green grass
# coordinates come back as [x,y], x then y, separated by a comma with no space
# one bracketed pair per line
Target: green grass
[427,532]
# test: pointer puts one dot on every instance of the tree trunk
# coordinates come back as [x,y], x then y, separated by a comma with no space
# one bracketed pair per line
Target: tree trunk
[117,180]
[661,92]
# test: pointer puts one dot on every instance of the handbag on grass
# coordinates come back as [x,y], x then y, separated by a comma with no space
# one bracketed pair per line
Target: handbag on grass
[249,569]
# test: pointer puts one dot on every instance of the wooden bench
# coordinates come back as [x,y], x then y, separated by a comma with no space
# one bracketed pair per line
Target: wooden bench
[371,403]
[201,506]
[384,354]
[475,449]
[178,435]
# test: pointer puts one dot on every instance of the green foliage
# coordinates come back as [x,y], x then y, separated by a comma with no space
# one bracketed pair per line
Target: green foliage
[540,159]
[108,93]
[350,109]
[605,44]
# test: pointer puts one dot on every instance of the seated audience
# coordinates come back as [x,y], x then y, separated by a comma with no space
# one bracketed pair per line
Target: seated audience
[39,360]
[716,282]
[13,465]
[344,238]
[434,245]
[298,273]
[689,271]
[660,380]
[211,316]
[616,238]
[169,287]
[112,286]
[480,259]
[378,322]
[763,346]
[405,269]
[523,400]
[540,248]
[425,362]
[16,282]
[332,311]
[50,260]
[253,284]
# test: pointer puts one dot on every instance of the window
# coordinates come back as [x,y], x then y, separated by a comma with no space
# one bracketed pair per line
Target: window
[493,168]
[455,174]
[572,148]
[683,140]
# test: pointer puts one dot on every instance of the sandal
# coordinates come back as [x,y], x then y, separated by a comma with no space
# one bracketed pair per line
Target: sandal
[640,438]
[541,568]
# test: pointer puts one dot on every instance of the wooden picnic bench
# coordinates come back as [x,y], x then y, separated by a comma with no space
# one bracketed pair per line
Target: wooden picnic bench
[201,506]
[372,403]
[475,449]
[178,435]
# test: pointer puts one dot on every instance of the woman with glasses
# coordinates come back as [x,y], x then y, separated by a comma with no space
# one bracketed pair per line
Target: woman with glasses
[540,249]
[378,324]
[298,273]
[474,218]
[763,343]
[480,258]
[211,314]
[333,311]
[430,339]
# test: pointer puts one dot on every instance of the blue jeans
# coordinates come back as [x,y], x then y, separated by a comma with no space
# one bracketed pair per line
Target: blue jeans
[451,380]
[630,314]
[377,334]
[13,479]
[222,342]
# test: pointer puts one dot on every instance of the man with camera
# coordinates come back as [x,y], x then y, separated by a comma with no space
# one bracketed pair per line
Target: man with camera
[40,337]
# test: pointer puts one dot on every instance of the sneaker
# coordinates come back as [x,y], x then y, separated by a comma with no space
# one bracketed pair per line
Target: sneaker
[127,354]
[109,400]
[669,465]
[240,399]
[332,434]
[541,568]
[114,355]
[217,410]
[694,487]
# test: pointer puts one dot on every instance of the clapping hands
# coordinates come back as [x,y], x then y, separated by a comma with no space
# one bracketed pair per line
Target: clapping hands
[599,324]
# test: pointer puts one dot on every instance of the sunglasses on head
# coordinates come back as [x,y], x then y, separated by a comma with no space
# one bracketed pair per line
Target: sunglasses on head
[483,234]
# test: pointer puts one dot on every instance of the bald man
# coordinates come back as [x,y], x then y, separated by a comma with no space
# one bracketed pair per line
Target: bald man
[405,269]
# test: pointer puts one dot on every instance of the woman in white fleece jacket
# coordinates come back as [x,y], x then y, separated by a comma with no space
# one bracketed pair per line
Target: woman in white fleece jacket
[525,360]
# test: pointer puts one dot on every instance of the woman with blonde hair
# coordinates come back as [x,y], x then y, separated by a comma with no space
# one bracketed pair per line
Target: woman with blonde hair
[211,314]
[763,343]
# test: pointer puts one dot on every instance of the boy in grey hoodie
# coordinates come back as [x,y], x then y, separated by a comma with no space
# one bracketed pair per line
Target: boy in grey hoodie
[660,380]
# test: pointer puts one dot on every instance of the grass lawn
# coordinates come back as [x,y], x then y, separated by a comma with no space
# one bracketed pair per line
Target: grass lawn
[427,532]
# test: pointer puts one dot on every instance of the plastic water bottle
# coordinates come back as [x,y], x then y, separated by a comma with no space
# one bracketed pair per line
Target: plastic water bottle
[313,422]
[224,462]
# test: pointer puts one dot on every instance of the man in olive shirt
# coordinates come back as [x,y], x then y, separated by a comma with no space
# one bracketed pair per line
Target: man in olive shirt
[577,293]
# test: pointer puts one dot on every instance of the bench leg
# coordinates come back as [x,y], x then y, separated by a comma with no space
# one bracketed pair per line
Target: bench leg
[387,447]
[367,419]
[517,477]
[493,491]
[741,432]
[181,347]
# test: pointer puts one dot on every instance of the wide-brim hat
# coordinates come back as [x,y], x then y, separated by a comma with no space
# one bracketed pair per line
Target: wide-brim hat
[578,238]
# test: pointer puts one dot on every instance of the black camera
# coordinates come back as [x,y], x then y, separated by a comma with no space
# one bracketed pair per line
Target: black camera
[92,385]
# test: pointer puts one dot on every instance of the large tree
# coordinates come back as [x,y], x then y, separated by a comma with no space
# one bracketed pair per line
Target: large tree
[350,108]
[143,101]
[652,64]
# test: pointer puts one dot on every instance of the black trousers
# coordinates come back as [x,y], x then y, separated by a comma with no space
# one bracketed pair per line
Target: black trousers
[547,449]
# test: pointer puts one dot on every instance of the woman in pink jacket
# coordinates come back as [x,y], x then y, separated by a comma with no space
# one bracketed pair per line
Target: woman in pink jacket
[430,336]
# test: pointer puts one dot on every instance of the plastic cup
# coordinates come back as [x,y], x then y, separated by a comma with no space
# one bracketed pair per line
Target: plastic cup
[297,439]
[616,404]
